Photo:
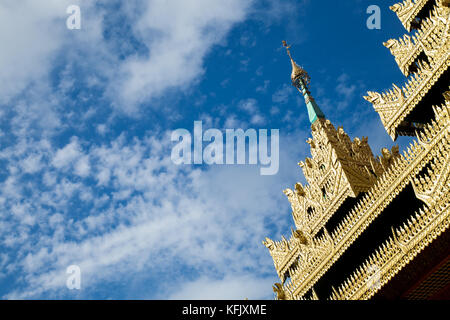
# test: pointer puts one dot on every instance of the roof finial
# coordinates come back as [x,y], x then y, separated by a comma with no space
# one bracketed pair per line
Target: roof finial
[298,73]
[301,80]
[287,48]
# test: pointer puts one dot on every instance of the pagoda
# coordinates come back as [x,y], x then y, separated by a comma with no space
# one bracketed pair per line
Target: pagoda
[377,227]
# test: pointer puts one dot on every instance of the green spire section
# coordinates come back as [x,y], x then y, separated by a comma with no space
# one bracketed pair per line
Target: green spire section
[301,79]
[314,111]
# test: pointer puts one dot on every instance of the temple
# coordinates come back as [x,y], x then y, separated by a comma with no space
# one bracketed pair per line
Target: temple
[371,227]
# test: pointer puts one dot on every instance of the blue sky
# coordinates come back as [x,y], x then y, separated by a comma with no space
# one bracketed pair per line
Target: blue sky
[86,177]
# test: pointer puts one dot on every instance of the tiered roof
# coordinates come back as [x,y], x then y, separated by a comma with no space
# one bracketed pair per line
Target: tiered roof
[307,261]
[341,169]
[424,57]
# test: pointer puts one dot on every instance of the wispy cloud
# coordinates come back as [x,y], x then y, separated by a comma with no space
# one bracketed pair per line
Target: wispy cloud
[78,187]
[345,90]
[283,94]
[148,220]
[179,38]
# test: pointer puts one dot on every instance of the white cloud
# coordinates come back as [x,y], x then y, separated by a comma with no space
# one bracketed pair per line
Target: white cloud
[32,163]
[257,119]
[67,155]
[82,167]
[231,287]
[164,213]
[32,32]
[179,38]
[345,90]
[263,88]
[120,207]
[283,94]
[249,105]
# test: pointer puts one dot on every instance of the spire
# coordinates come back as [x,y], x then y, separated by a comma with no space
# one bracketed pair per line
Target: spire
[301,80]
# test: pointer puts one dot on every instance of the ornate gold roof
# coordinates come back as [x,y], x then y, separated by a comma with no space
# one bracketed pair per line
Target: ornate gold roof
[408,10]
[306,264]
[432,34]
[433,40]
[340,169]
